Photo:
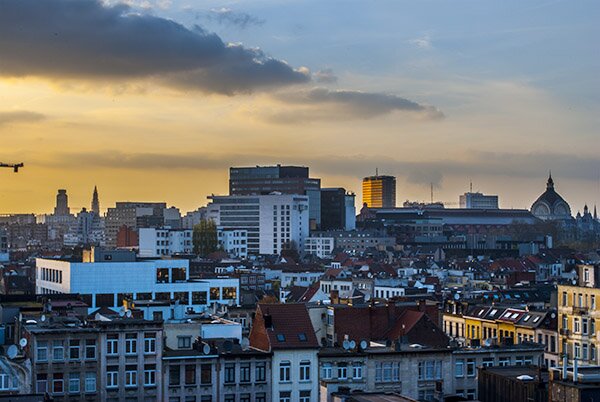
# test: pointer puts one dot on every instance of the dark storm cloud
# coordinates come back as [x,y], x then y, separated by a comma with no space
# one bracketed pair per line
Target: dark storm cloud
[226,16]
[20,117]
[83,39]
[325,104]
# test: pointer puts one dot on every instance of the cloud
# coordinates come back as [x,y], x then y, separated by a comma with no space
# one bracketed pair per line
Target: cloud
[324,104]
[23,116]
[325,76]
[424,42]
[226,16]
[525,165]
[84,39]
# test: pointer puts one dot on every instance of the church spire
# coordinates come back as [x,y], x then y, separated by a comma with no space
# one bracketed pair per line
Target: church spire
[550,184]
[595,213]
[95,202]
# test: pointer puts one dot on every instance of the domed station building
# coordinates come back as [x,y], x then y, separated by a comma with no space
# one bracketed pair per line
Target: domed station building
[550,206]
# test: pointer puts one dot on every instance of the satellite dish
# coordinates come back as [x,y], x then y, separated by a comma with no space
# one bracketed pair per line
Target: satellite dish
[206,349]
[12,351]
[245,343]
[23,342]
[456,296]
[129,314]
[352,344]
[363,344]
[553,315]
[346,344]
[43,318]
[121,313]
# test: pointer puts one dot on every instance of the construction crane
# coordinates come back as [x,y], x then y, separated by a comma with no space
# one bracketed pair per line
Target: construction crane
[14,166]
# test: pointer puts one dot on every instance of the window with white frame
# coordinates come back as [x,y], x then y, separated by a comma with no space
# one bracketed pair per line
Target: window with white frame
[149,375]
[130,376]
[150,342]
[112,377]
[42,351]
[130,344]
[112,344]
[326,371]
[90,382]
[74,383]
[58,351]
[459,368]
[305,370]
[357,371]
[284,371]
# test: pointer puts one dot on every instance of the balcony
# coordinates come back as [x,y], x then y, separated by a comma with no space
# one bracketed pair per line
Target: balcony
[565,332]
[580,310]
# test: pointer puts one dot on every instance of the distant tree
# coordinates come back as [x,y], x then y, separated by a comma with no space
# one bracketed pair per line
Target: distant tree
[205,238]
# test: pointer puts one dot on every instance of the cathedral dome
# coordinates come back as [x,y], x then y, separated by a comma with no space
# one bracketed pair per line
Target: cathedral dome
[550,205]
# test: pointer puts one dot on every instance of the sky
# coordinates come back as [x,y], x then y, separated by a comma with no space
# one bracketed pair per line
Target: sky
[153,100]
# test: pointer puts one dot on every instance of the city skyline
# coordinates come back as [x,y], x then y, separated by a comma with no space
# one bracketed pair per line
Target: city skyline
[429,93]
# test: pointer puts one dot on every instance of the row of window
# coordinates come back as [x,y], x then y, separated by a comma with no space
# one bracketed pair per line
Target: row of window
[57,347]
[55,383]
[579,299]
[343,371]
[231,375]
[467,367]
[285,371]
[131,376]
[582,325]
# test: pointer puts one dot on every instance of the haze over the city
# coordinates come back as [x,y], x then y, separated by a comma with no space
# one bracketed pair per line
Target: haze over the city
[155,100]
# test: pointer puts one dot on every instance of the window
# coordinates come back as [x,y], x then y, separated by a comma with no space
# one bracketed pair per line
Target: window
[112,344]
[488,362]
[470,367]
[592,327]
[260,397]
[130,344]
[215,293]
[245,398]
[130,376]
[205,374]
[90,382]
[58,351]
[357,371]
[284,371]
[459,368]
[184,342]
[577,350]
[342,371]
[229,293]
[150,342]
[245,372]
[74,349]
[304,370]
[285,396]
[431,370]
[576,326]
[593,302]
[41,383]
[190,374]
[149,375]
[58,383]
[112,377]
[199,298]
[592,352]
[304,396]
[74,383]
[584,326]
[174,375]
[42,351]
[229,398]
[90,349]
[326,370]
[260,372]
[230,373]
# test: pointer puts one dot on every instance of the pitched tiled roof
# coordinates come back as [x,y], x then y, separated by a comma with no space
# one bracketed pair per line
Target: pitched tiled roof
[282,326]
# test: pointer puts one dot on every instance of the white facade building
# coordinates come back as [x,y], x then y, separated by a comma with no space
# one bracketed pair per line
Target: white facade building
[107,283]
[273,222]
[478,201]
[155,242]
[322,247]
[234,242]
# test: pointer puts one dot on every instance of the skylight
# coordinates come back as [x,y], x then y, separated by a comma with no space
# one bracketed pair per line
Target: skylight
[280,337]
[302,337]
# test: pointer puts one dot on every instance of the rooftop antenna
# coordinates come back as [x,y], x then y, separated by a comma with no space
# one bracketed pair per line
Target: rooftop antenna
[471,186]
[376,171]
[431,192]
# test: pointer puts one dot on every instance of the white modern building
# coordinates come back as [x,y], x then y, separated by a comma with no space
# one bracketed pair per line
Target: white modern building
[234,242]
[156,242]
[109,279]
[273,222]
[321,247]
[478,201]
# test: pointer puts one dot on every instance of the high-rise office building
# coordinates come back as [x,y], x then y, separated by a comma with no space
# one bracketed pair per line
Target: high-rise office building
[263,180]
[62,203]
[379,191]
[337,209]
[478,201]
[273,222]
[133,215]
